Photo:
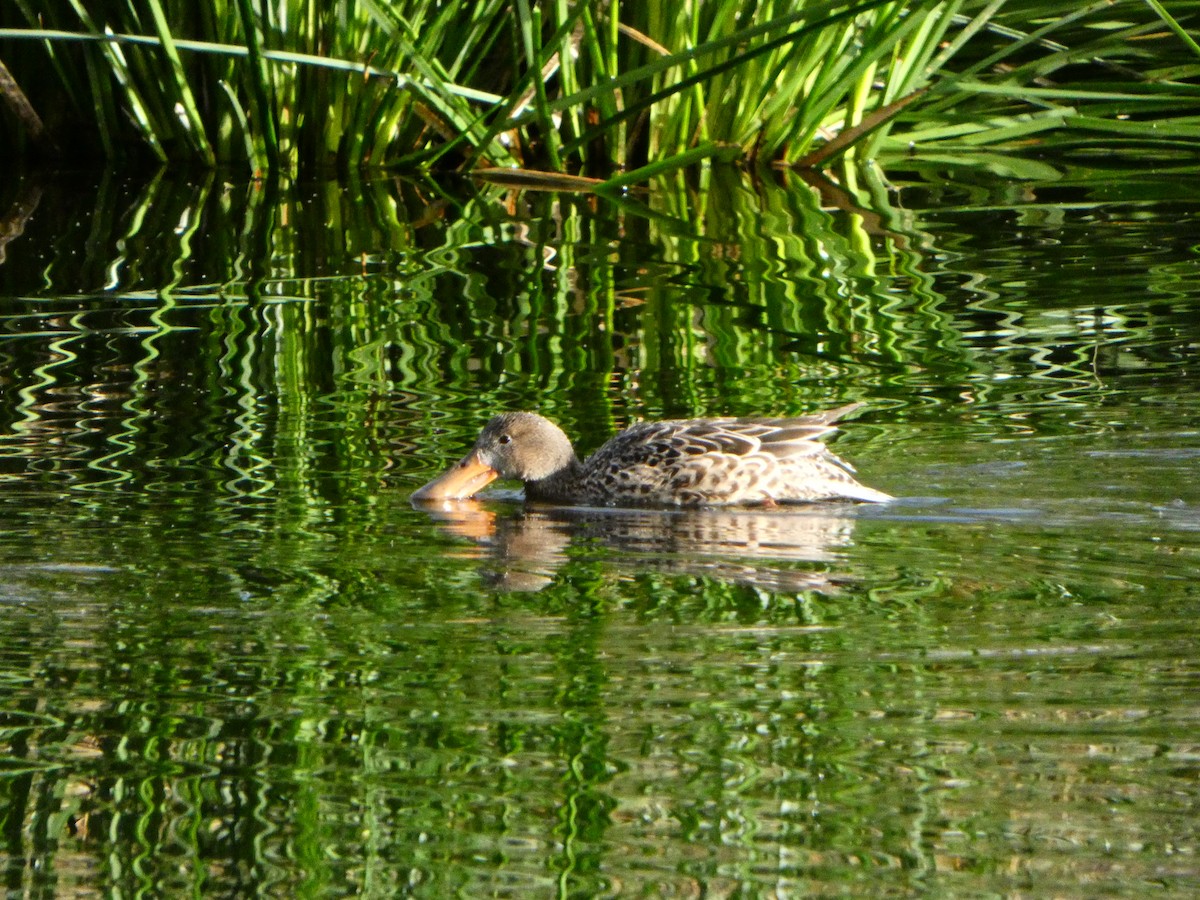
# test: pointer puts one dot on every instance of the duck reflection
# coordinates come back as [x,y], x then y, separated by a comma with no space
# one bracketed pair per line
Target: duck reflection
[524,546]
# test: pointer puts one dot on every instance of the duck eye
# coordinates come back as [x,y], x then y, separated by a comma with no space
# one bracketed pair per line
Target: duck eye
[506,439]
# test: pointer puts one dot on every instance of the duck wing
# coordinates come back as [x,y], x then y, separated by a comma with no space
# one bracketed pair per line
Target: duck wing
[720,461]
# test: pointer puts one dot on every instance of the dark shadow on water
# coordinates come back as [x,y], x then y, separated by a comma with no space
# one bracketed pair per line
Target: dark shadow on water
[523,547]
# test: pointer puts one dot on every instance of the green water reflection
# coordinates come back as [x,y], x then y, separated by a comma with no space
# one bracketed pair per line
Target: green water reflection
[234,659]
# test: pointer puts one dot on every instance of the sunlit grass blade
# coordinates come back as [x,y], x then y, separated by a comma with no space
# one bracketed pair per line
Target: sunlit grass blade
[668,164]
[252,142]
[573,87]
[529,23]
[995,130]
[438,91]
[683,59]
[119,69]
[186,103]
[515,113]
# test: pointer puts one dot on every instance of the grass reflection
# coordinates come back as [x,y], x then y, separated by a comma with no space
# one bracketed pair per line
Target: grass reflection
[317,708]
[201,313]
[240,661]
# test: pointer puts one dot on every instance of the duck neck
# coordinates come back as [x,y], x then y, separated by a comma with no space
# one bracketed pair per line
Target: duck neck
[563,485]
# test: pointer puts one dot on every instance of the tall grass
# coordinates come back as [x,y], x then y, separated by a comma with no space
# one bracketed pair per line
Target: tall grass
[618,91]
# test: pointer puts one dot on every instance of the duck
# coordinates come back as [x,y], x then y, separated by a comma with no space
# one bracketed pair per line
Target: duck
[679,463]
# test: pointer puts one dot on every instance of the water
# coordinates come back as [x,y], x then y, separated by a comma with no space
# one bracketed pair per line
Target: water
[234,659]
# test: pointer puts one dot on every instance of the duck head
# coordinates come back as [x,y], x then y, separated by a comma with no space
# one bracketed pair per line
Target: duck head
[523,446]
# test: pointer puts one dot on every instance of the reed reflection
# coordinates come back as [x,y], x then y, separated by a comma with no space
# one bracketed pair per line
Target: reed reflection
[521,548]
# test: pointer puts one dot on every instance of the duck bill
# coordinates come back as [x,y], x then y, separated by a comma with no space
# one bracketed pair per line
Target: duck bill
[462,480]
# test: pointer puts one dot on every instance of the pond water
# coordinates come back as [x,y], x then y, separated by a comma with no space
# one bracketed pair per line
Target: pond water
[234,658]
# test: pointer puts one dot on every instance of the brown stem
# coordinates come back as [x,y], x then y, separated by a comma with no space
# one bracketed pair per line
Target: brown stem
[16,101]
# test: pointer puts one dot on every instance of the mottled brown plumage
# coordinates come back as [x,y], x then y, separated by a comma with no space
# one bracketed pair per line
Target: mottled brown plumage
[686,462]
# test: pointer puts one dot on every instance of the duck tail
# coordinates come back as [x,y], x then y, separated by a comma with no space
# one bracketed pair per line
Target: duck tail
[829,416]
[856,491]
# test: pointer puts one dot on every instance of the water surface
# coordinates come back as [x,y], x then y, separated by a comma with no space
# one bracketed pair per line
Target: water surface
[235,659]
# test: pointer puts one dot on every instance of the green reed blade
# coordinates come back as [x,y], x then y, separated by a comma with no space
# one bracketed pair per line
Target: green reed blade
[439,92]
[107,108]
[252,142]
[529,20]
[422,83]
[1174,25]
[259,79]
[119,69]
[669,164]
[679,59]
[850,136]
[196,132]
[515,112]
[62,67]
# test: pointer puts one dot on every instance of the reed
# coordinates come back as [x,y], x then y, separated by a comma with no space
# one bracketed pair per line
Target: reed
[622,92]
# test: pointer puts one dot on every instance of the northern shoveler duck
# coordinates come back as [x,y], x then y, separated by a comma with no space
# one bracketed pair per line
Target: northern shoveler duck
[686,462]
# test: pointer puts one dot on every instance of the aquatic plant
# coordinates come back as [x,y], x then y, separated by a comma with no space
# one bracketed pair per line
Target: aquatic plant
[619,92]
